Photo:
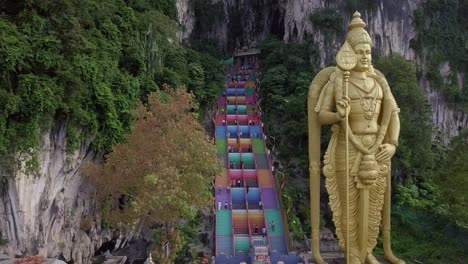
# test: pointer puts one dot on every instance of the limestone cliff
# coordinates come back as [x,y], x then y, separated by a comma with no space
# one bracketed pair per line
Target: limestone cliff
[390,24]
[43,212]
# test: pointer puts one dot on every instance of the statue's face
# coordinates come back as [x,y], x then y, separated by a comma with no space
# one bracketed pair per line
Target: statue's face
[363,57]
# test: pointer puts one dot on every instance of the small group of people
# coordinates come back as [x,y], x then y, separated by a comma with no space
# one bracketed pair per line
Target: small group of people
[236,183]
[231,149]
[220,204]
[228,188]
[238,78]
[271,226]
[256,230]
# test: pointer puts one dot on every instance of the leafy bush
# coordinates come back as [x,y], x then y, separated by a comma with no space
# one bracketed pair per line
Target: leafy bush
[88,64]
[328,19]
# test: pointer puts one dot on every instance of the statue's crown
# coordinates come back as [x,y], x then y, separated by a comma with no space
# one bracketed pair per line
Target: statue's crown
[357,34]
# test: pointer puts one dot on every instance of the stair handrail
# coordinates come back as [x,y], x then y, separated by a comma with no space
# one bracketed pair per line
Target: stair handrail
[247,206]
[232,224]
[276,192]
[263,203]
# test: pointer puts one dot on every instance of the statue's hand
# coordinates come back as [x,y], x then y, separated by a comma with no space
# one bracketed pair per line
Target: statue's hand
[342,107]
[386,152]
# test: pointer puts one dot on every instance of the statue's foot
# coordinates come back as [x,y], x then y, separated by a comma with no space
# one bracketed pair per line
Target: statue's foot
[392,259]
[370,259]
[319,260]
[354,260]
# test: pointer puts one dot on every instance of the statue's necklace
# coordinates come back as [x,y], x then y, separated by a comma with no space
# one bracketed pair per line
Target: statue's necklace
[369,103]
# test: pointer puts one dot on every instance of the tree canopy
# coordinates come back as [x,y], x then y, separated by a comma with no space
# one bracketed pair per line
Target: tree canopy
[165,170]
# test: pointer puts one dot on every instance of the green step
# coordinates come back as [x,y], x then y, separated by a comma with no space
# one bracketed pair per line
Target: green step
[250,92]
[223,223]
[235,157]
[242,245]
[274,215]
[221,145]
[258,146]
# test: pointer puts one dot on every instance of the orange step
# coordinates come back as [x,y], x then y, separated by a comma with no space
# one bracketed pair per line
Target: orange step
[222,180]
[264,179]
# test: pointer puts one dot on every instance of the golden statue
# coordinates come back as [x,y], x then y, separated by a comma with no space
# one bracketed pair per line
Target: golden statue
[356,100]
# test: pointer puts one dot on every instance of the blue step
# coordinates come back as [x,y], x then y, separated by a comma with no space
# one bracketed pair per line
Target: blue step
[224,245]
[278,245]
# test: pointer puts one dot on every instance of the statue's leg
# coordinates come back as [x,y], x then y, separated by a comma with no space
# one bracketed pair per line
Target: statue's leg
[341,213]
[376,201]
[370,259]
[353,216]
[315,212]
[386,224]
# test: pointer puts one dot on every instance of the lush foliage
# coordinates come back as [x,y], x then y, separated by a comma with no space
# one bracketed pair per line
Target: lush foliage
[452,182]
[441,43]
[287,75]
[327,19]
[163,174]
[414,156]
[88,63]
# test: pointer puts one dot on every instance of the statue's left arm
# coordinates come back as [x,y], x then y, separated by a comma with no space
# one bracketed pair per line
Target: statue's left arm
[394,129]
[390,144]
[390,107]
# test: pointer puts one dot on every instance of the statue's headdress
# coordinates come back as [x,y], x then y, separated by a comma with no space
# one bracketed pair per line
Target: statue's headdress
[346,58]
[357,34]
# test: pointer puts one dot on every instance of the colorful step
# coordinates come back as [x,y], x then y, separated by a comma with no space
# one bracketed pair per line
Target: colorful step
[221,145]
[242,244]
[223,223]
[269,198]
[274,216]
[258,146]
[224,245]
[278,245]
[240,143]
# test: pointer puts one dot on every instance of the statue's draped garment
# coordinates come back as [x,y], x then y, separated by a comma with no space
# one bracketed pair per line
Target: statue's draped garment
[359,145]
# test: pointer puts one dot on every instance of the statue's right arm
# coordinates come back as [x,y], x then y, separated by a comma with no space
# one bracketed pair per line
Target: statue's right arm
[328,117]
[326,114]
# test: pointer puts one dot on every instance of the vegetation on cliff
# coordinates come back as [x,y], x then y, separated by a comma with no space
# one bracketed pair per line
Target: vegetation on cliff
[441,47]
[89,63]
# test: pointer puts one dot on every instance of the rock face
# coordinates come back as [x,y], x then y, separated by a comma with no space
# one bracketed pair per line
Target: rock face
[42,212]
[186,18]
[242,22]
[390,24]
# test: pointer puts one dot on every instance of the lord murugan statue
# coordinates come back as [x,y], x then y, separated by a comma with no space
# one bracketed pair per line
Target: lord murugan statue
[356,100]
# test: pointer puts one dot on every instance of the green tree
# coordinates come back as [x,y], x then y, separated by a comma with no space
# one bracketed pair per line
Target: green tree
[452,182]
[414,156]
[164,173]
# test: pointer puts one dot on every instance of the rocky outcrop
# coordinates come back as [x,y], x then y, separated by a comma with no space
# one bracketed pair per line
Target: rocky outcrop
[390,24]
[447,119]
[242,22]
[186,18]
[43,213]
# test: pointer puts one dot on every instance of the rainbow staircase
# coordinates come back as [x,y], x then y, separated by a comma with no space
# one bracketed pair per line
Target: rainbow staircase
[245,197]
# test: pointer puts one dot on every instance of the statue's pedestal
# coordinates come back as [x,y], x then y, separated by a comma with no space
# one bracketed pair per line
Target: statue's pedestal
[343,261]
[336,257]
